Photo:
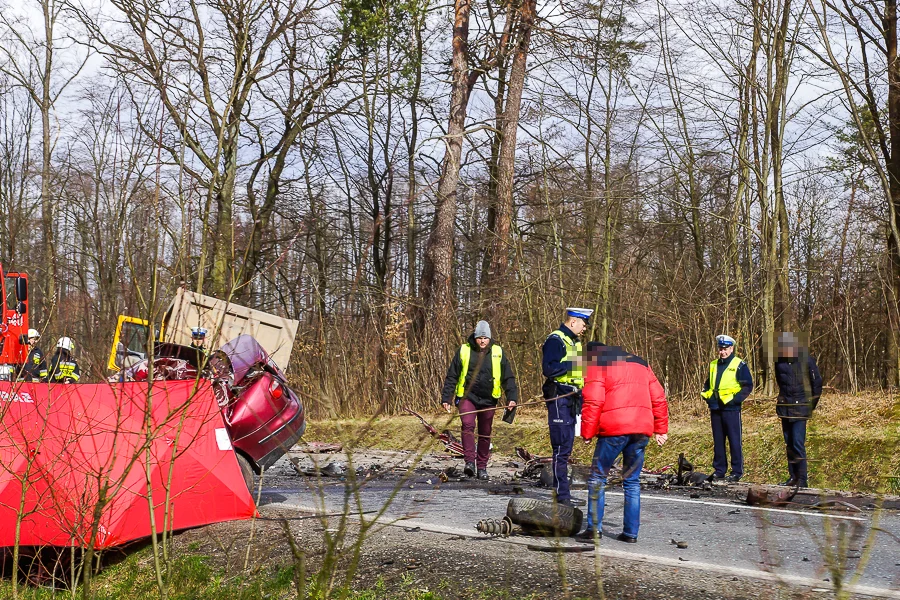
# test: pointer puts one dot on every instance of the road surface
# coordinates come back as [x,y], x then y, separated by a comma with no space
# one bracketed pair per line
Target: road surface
[797,547]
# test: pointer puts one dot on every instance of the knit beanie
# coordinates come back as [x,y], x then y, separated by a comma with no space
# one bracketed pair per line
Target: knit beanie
[482,329]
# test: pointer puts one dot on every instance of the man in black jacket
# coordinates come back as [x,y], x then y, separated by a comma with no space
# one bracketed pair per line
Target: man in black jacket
[799,388]
[35,367]
[480,371]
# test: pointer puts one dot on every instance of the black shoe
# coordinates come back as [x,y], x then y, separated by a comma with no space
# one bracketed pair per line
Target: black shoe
[627,539]
[715,478]
[469,471]
[587,536]
[791,482]
[733,478]
[567,502]
[482,474]
[802,483]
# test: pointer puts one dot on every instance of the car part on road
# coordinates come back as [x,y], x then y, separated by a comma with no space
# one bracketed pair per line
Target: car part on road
[495,528]
[762,496]
[453,446]
[541,517]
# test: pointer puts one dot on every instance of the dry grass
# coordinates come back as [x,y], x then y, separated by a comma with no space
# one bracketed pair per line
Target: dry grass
[853,441]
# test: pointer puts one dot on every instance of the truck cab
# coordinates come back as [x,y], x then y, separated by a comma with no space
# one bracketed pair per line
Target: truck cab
[13,322]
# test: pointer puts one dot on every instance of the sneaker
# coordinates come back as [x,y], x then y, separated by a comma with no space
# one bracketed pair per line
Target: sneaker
[482,474]
[587,536]
[469,471]
[733,478]
[627,539]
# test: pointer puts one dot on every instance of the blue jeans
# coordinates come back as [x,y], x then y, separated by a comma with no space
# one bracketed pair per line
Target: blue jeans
[631,447]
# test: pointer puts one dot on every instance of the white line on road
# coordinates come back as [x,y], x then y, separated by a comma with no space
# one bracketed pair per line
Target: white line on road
[742,506]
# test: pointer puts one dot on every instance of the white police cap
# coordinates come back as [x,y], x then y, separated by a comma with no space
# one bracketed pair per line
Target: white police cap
[724,341]
[581,313]
[198,332]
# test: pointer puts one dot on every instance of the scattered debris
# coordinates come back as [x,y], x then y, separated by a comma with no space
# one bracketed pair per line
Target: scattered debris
[686,475]
[318,448]
[453,446]
[678,544]
[762,496]
[835,505]
[412,529]
[494,527]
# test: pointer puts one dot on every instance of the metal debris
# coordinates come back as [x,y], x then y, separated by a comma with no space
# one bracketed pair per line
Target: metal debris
[678,544]
[453,445]
[761,496]
[495,527]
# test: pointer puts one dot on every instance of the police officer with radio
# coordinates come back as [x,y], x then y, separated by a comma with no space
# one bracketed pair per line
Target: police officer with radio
[563,366]
[725,388]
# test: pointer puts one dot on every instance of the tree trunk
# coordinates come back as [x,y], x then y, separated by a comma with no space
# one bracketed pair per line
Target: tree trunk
[506,165]
[436,286]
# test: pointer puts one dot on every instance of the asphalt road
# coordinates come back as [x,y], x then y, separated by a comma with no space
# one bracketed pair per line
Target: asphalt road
[799,547]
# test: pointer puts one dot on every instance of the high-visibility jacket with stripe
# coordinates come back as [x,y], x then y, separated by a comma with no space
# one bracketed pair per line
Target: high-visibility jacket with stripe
[728,385]
[465,356]
[575,375]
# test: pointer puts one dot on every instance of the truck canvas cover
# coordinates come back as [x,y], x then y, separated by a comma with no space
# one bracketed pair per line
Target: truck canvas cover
[226,321]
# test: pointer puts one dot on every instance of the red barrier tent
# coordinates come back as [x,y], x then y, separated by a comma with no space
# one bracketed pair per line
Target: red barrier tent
[83,460]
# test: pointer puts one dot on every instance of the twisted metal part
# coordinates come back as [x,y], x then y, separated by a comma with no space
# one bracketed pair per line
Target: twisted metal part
[495,527]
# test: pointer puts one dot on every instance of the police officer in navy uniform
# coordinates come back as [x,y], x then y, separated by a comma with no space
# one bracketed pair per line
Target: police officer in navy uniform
[63,366]
[35,367]
[563,366]
[198,338]
[725,387]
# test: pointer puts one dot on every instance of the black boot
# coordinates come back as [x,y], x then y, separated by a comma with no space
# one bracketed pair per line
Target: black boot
[469,471]
[482,474]
[791,482]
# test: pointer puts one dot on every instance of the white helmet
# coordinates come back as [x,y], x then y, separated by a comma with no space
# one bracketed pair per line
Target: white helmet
[66,343]
[34,334]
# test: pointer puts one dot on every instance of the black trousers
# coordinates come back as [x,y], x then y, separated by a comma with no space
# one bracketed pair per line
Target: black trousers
[726,424]
[794,431]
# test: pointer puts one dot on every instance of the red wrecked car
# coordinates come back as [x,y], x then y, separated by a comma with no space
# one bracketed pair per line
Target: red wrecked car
[263,416]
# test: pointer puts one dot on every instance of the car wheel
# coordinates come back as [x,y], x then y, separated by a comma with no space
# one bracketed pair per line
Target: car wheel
[246,471]
[543,517]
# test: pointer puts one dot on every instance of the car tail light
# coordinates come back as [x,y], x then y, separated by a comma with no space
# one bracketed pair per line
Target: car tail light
[275,389]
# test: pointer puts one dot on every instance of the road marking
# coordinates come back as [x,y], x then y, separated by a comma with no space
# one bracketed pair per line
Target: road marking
[742,507]
[863,590]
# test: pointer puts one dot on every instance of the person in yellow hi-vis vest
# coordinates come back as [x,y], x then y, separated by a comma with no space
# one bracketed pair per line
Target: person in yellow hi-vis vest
[726,385]
[478,375]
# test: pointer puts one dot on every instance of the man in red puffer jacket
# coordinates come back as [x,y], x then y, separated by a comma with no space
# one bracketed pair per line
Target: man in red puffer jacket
[624,405]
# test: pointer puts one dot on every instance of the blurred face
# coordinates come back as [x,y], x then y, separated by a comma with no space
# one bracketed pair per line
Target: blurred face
[576,325]
[32,341]
[198,340]
[725,351]
[482,342]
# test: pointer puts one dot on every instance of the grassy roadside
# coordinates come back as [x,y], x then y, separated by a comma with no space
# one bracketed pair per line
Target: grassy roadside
[853,442]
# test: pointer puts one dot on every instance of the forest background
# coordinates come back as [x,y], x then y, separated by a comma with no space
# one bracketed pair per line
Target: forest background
[390,172]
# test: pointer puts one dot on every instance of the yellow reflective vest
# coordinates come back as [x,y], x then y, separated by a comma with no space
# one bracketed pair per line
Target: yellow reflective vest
[728,384]
[465,354]
[575,375]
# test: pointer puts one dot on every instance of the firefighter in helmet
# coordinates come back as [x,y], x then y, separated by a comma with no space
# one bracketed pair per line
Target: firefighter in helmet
[63,366]
[35,367]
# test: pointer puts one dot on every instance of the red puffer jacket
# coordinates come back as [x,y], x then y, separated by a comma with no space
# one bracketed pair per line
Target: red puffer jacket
[622,396]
